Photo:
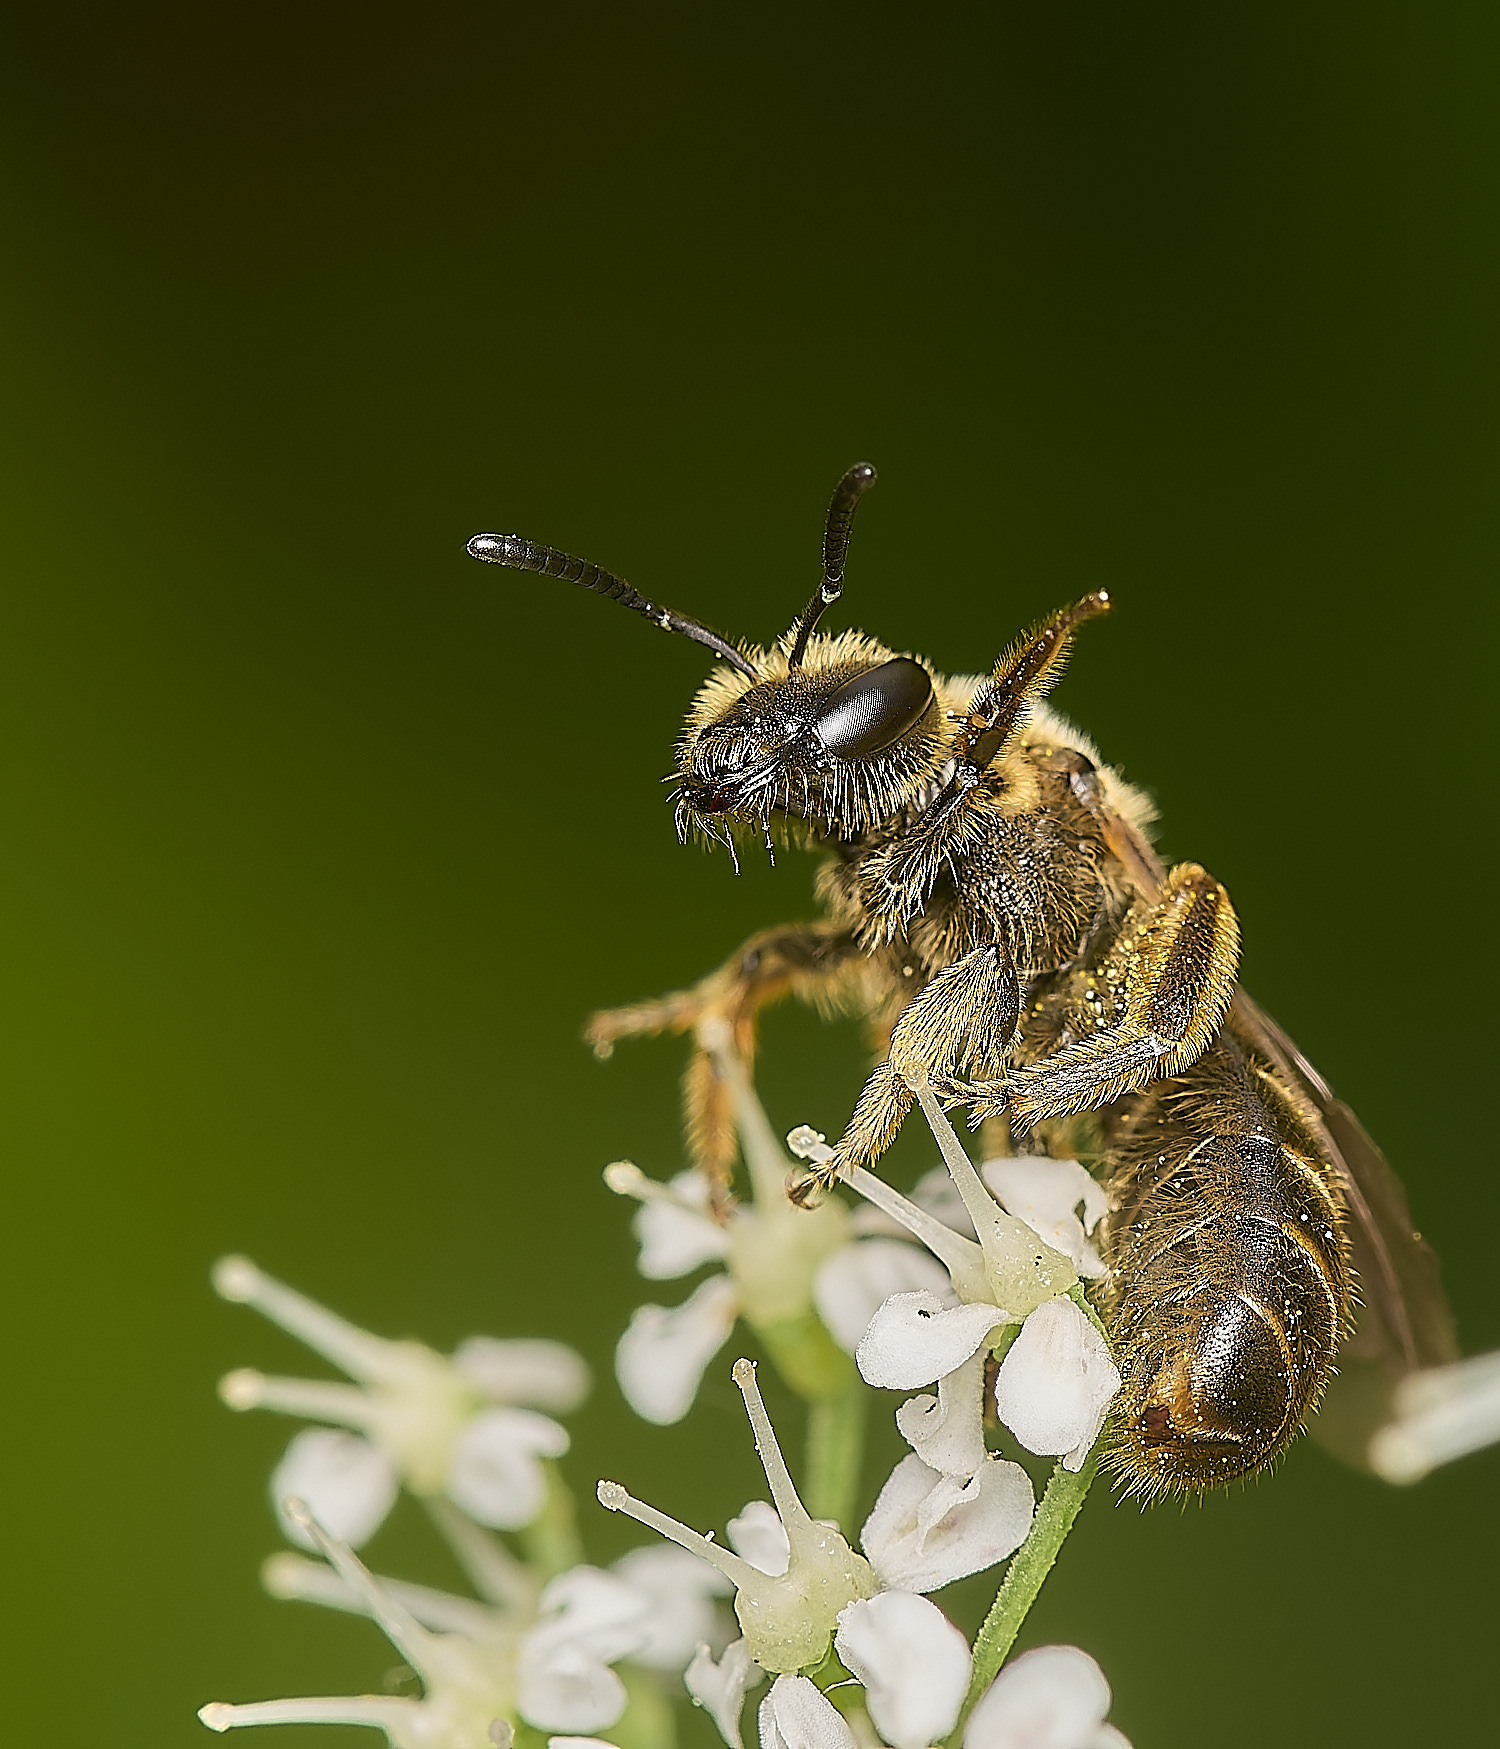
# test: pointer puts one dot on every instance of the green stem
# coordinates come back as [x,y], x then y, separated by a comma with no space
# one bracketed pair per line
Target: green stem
[1033,1561]
[650,1720]
[551,1541]
[835,1453]
[1080,1298]
[1029,1566]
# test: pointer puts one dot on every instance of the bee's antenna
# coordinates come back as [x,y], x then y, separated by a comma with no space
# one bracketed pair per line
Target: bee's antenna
[525,555]
[846,499]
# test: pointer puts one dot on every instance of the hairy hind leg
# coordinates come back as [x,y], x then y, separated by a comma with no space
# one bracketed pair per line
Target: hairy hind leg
[1169,979]
[818,963]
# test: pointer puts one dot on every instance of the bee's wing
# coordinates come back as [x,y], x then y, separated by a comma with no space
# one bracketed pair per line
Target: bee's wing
[1403,1322]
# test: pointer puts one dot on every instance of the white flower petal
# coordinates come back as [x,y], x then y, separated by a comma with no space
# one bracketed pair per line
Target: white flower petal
[662,1354]
[720,1688]
[676,1234]
[947,1431]
[536,1374]
[913,1662]
[1045,1194]
[913,1339]
[760,1537]
[680,1589]
[794,1715]
[564,1689]
[1441,1414]
[851,1284]
[1052,1698]
[596,1611]
[578,1743]
[494,1474]
[1056,1383]
[348,1485]
[588,1619]
[926,1530]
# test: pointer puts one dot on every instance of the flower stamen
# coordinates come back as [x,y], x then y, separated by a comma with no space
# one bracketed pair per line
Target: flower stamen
[356,1351]
[614,1498]
[319,1400]
[394,1620]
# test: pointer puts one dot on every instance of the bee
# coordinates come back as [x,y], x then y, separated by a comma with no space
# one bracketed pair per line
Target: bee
[992,908]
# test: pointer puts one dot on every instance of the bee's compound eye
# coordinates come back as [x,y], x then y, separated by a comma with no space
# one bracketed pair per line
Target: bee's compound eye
[871,711]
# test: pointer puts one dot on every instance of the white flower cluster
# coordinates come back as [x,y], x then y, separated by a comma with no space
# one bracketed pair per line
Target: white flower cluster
[465,1434]
[998,1251]
[781,1264]
[800,1588]
[465,1427]
[966,1292]
[1005,1289]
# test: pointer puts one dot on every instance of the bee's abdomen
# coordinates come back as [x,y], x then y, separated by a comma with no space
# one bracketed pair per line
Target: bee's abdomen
[1229,1287]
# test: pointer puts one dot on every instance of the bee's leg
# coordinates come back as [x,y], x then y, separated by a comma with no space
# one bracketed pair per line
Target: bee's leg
[807,960]
[1171,978]
[799,959]
[963,1021]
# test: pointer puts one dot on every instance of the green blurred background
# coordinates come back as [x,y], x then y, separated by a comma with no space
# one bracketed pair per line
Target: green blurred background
[320,840]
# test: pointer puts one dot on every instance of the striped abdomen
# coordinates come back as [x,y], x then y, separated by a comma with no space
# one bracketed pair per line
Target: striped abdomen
[1230,1284]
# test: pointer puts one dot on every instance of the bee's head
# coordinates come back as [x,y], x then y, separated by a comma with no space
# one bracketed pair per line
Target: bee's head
[838,731]
[842,740]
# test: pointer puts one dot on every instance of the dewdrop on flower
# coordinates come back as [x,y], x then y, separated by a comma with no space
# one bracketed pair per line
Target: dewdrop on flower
[788,1619]
[465,1426]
